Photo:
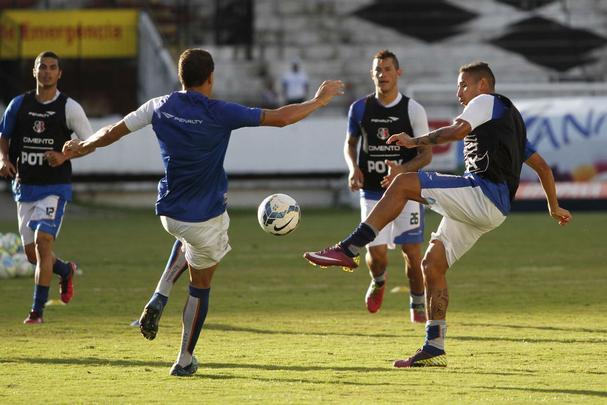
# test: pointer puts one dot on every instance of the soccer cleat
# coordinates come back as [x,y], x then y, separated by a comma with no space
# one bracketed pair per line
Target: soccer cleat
[424,359]
[150,318]
[418,313]
[66,285]
[187,371]
[33,318]
[332,256]
[374,296]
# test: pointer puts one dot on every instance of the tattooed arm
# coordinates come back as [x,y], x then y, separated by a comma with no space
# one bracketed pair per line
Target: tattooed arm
[455,132]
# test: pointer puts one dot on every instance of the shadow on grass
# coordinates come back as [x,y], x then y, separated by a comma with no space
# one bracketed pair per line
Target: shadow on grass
[522,339]
[602,394]
[232,328]
[87,361]
[549,328]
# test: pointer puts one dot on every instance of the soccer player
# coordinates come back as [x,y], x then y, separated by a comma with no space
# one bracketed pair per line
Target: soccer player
[193,131]
[32,132]
[374,118]
[495,147]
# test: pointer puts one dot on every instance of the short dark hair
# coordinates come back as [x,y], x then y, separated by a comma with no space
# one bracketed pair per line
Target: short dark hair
[47,54]
[479,70]
[195,67]
[385,54]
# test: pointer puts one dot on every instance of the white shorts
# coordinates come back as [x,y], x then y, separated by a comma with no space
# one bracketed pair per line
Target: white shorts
[205,243]
[44,215]
[407,228]
[467,212]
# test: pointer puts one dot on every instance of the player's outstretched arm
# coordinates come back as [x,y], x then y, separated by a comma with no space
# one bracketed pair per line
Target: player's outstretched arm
[455,132]
[292,113]
[104,137]
[544,172]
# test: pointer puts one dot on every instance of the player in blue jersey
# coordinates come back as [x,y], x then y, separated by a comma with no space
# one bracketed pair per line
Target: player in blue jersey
[193,131]
[495,147]
[373,119]
[32,132]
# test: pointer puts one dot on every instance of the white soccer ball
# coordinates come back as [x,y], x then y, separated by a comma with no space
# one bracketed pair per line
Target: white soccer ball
[8,265]
[23,267]
[10,243]
[278,214]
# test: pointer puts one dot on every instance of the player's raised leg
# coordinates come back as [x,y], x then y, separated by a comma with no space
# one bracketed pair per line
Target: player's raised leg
[175,267]
[404,187]
[194,315]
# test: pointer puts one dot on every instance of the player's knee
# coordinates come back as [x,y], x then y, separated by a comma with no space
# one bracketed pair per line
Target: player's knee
[405,184]
[30,253]
[429,270]
[377,263]
[43,241]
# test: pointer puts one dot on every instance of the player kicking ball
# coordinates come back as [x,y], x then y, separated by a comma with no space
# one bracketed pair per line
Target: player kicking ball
[193,131]
[495,147]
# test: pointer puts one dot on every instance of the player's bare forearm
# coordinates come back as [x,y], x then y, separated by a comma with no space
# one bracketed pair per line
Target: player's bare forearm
[452,133]
[350,154]
[292,113]
[3,148]
[421,160]
[106,136]
[544,173]
[455,132]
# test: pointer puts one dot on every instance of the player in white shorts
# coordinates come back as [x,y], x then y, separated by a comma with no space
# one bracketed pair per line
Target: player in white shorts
[193,132]
[371,121]
[495,147]
[33,129]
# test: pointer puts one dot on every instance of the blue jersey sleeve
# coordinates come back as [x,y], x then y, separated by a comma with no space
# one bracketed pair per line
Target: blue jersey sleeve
[9,119]
[355,117]
[234,116]
[529,150]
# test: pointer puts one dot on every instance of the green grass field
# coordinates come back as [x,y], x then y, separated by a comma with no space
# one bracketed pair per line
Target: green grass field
[527,320]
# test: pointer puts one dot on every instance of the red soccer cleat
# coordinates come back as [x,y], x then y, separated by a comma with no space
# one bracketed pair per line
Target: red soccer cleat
[66,285]
[374,296]
[33,318]
[332,256]
[424,359]
[418,314]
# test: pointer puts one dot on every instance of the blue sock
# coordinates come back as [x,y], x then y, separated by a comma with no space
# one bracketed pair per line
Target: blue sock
[203,295]
[362,235]
[61,268]
[157,296]
[40,298]
[194,315]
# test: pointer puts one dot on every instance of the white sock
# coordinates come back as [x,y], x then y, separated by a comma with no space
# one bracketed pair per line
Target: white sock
[435,333]
[172,272]
[379,279]
[416,300]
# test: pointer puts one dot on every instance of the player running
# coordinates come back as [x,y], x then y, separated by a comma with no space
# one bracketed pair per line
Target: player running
[373,119]
[32,132]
